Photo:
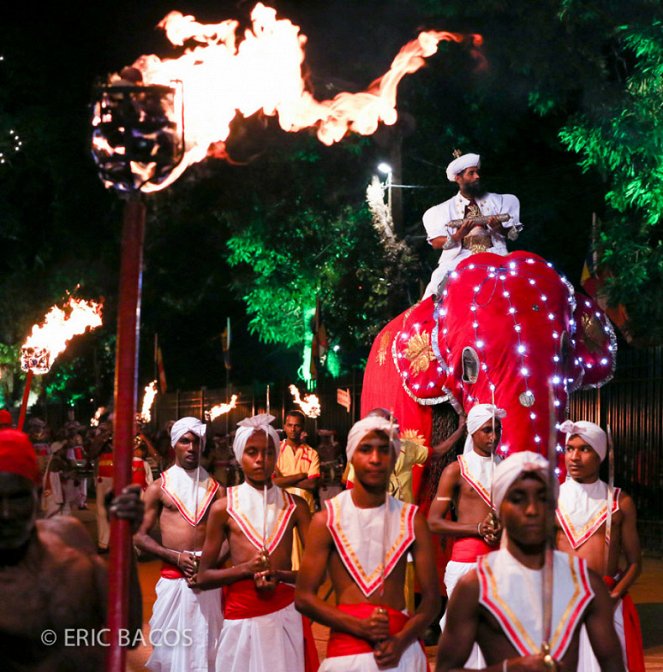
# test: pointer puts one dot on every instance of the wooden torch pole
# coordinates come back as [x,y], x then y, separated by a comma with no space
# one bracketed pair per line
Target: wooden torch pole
[124,424]
[24,403]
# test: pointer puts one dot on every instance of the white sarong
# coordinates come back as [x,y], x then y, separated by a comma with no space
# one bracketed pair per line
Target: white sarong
[270,643]
[412,660]
[184,627]
[453,573]
[586,659]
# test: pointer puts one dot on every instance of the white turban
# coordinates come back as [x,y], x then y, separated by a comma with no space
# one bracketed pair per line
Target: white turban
[247,427]
[461,163]
[372,423]
[589,432]
[509,469]
[478,416]
[184,425]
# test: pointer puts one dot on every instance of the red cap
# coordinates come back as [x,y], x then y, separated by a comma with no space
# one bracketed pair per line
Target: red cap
[17,456]
[5,417]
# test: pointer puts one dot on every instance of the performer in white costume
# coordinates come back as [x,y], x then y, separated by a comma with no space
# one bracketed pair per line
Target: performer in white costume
[582,516]
[449,226]
[466,485]
[262,631]
[362,539]
[501,604]
[185,623]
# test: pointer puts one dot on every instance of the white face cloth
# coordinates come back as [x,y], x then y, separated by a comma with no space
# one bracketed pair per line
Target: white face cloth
[589,432]
[461,163]
[184,425]
[246,428]
[478,416]
[508,471]
[369,424]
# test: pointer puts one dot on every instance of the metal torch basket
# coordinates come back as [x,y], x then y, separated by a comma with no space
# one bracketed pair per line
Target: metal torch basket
[137,134]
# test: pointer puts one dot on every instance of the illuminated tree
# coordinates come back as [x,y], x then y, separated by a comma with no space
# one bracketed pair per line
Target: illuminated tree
[623,139]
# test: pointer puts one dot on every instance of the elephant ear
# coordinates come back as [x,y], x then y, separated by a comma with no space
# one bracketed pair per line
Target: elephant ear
[422,371]
[596,343]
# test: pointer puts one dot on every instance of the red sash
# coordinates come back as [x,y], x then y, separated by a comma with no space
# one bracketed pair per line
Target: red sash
[169,571]
[138,475]
[635,658]
[242,600]
[345,644]
[468,549]
[105,467]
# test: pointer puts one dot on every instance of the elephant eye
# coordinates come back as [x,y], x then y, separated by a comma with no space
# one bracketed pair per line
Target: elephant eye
[470,365]
[564,349]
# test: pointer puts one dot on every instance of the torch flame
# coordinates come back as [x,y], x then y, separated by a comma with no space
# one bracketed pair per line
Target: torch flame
[94,421]
[310,404]
[263,72]
[148,399]
[60,325]
[221,409]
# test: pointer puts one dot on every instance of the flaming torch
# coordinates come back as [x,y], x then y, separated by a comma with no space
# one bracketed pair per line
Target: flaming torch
[137,141]
[149,395]
[310,404]
[48,339]
[221,409]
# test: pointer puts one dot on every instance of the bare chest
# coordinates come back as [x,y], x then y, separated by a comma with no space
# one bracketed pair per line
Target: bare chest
[470,507]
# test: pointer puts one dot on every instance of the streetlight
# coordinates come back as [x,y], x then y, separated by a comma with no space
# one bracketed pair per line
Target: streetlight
[385,169]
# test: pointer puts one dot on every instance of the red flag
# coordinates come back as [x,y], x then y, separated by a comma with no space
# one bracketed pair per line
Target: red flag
[320,343]
[161,372]
[594,279]
[225,344]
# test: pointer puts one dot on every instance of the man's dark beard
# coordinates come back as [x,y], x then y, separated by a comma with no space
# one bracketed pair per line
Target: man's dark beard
[474,189]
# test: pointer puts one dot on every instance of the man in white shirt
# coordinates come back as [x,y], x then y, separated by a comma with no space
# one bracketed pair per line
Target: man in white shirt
[468,237]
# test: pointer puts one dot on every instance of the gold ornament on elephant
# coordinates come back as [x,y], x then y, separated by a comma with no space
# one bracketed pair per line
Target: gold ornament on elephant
[385,339]
[419,353]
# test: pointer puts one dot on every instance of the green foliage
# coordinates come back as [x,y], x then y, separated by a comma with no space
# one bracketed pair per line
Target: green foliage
[623,140]
[283,263]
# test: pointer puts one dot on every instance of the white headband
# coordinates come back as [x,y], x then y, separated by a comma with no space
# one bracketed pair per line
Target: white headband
[589,432]
[478,416]
[509,469]
[184,425]
[369,424]
[248,426]
[461,163]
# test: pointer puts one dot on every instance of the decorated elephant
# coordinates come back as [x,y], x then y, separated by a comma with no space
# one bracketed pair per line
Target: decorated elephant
[503,328]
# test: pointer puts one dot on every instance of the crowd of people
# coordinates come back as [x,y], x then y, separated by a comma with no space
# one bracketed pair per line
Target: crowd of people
[244,564]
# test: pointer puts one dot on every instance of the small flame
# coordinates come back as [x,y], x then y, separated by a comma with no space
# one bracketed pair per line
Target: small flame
[94,422]
[310,404]
[223,77]
[148,399]
[48,339]
[221,409]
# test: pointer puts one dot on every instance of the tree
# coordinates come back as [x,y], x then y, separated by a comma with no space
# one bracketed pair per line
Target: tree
[622,139]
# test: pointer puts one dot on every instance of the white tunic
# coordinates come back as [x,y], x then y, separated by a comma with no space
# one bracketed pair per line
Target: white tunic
[436,219]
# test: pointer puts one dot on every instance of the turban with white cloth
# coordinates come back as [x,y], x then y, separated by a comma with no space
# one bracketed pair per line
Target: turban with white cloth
[184,425]
[589,432]
[478,416]
[511,468]
[372,423]
[461,163]
[246,428]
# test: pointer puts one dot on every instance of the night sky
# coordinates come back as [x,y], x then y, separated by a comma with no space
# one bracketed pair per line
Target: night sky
[52,59]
